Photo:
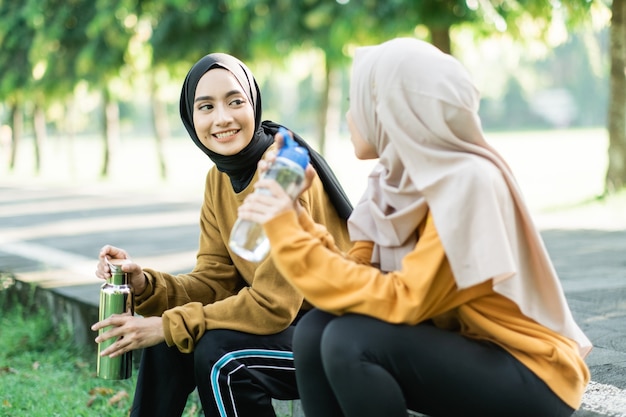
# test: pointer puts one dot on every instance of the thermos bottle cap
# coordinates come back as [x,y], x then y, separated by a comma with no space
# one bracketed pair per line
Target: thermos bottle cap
[118,277]
[292,151]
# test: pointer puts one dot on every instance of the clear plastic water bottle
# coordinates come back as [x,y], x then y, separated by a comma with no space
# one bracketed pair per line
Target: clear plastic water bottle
[247,238]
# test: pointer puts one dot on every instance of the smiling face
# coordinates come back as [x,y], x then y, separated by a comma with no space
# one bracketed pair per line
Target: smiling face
[223,116]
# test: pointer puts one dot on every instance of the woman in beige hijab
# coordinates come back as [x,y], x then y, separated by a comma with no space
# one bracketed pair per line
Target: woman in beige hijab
[447,303]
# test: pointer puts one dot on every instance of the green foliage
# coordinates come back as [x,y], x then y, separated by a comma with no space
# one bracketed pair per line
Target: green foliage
[43,374]
[186,30]
[15,38]
[51,47]
[441,13]
[66,42]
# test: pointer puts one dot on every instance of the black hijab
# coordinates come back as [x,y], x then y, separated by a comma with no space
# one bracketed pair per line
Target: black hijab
[241,167]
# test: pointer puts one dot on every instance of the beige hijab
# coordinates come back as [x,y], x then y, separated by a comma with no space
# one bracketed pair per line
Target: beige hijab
[419,108]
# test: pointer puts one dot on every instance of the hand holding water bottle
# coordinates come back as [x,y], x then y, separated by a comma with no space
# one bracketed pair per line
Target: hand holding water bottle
[284,177]
[274,191]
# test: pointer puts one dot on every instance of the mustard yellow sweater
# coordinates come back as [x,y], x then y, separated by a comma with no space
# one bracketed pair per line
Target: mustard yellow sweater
[225,291]
[423,289]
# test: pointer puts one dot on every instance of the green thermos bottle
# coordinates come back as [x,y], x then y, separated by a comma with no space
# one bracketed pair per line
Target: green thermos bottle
[116,297]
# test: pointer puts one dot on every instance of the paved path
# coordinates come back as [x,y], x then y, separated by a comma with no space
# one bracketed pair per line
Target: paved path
[51,237]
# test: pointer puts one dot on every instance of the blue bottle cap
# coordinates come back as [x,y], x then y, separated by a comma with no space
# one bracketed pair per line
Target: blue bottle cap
[291,150]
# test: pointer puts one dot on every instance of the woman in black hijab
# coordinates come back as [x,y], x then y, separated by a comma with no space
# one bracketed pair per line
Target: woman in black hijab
[242,166]
[225,327]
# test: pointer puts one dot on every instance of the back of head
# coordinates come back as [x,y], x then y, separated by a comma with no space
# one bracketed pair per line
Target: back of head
[409,85]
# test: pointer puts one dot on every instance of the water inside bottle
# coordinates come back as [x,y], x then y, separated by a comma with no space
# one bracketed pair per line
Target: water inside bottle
[250,241]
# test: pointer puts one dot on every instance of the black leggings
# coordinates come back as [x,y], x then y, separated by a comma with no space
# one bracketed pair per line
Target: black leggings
[237,374]
[356,365]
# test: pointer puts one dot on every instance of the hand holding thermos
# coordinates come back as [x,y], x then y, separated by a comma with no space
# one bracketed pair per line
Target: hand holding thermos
[119,331]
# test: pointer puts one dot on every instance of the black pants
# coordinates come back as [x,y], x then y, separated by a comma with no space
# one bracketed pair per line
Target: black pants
[236,374]
[355,365]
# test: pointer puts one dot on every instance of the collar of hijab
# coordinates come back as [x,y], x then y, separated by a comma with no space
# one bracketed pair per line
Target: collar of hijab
[241,167]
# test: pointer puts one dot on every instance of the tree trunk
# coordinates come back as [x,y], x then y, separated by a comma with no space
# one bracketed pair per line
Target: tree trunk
[161,125]
[616,172]
[69,128]
[17,131]
[323,107]
[39,127]
[111,132]
[440,37]
[333,104]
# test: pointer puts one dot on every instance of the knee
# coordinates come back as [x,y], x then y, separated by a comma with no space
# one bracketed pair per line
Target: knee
[340,344]
[309,329]
[307,336]
[209,349]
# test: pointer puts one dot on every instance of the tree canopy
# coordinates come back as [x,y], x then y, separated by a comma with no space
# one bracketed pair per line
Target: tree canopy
[52,47]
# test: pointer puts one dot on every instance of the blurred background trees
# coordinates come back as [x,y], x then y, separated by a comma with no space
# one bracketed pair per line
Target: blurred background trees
[114,68]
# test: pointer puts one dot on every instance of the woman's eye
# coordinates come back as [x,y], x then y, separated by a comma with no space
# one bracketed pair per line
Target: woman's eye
[237,102]
[205,107]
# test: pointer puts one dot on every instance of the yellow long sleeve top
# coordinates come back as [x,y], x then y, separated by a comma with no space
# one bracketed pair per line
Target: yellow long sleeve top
[224,291]
[423,289]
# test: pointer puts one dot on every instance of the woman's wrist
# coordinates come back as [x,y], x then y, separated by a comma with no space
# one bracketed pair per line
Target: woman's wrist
[139,289]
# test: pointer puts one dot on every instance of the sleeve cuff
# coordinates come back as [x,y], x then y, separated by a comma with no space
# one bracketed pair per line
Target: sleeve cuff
[183,326]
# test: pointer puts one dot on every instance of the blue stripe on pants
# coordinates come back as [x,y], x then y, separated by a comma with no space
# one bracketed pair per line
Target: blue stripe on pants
[243,354]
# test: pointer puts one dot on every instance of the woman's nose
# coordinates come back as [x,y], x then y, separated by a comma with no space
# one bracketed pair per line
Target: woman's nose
[222,114]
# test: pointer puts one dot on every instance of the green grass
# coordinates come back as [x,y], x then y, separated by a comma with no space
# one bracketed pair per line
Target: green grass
[42,374]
